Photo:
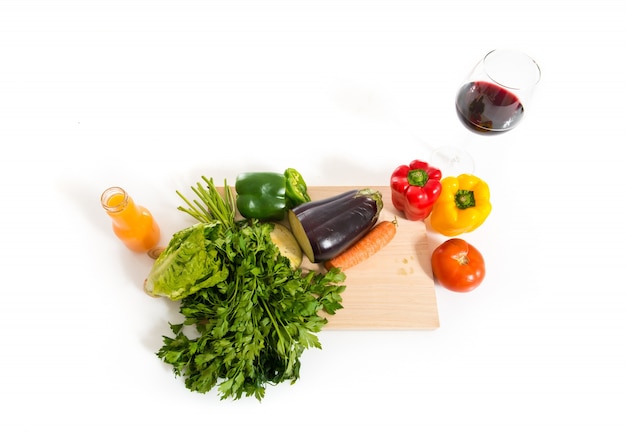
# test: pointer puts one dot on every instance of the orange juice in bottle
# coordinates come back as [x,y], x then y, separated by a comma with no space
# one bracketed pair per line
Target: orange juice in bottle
[132,224]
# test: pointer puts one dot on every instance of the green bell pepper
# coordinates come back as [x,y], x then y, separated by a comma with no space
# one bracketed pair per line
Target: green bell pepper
[295,188]
[268,195]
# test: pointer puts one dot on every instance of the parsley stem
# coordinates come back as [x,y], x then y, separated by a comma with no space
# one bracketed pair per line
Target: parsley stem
[281,341]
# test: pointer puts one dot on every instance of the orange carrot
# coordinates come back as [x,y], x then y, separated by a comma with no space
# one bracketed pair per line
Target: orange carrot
[372,242]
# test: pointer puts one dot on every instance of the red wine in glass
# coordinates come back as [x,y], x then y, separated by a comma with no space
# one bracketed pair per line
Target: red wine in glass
[488,108]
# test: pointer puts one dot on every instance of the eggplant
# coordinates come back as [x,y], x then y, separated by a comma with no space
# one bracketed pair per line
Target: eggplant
[327,227]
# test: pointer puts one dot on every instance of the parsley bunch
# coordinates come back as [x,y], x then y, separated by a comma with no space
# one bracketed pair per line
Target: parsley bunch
[248,330]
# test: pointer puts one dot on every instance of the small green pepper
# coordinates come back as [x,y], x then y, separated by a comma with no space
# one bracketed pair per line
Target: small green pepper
[295,190]
[267,195]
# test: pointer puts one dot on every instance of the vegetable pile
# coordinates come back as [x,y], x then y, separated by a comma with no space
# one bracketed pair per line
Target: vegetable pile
[248,313]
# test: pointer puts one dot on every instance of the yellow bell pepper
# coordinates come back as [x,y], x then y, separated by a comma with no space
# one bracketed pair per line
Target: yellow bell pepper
[462,206]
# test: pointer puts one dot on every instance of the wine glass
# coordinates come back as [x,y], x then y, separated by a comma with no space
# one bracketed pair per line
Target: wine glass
[494,96]
[491,100]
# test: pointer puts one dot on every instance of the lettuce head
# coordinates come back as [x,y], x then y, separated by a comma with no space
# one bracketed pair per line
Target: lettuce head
[189,263]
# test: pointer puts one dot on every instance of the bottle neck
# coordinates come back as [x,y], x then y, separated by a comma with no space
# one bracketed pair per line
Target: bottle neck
[119,205]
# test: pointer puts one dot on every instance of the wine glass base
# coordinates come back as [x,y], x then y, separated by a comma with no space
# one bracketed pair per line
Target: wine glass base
[452,161]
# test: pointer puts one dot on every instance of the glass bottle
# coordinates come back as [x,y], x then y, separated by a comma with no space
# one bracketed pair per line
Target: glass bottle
[132,224]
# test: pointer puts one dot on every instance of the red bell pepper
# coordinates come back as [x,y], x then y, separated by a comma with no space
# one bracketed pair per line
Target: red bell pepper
[415,188]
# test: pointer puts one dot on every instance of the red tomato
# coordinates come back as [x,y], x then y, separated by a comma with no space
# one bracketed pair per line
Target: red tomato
[458,266]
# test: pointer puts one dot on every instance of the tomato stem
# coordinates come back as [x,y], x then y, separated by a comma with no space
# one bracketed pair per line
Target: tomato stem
[462,258]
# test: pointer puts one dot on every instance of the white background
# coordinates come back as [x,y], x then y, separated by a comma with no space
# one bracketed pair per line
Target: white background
[150,95]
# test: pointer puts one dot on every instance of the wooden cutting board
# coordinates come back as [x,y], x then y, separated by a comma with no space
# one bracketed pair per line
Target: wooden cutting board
[393,289]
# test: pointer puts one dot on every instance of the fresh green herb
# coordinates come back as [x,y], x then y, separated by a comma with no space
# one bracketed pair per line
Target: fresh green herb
[248,329]
[212,206]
